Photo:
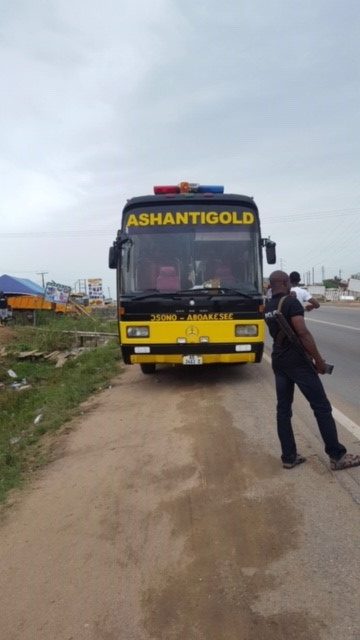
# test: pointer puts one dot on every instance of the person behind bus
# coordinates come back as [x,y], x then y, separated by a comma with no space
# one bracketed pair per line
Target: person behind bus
[304,297]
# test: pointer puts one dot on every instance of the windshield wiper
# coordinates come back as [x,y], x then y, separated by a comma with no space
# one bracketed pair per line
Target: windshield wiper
[203,291]
[237,292]
[150,293]
[213,291]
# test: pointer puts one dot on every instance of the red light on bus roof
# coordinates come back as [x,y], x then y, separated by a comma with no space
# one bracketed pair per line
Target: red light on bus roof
[164,190]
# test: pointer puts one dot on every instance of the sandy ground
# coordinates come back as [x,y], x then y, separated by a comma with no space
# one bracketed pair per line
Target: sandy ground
[166,515]
[6,334]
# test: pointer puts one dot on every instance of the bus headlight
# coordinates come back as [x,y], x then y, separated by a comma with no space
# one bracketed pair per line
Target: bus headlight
[137,332]
[246,330]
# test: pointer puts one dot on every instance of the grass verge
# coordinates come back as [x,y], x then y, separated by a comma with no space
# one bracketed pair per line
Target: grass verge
[55,395]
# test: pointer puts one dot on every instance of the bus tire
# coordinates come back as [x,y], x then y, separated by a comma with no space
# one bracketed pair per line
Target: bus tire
[148,368]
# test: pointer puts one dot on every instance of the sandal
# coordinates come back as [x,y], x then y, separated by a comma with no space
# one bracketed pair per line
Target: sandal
[347,461]
[298,460]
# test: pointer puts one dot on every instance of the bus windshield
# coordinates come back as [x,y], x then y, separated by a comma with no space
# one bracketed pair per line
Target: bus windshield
[192,258]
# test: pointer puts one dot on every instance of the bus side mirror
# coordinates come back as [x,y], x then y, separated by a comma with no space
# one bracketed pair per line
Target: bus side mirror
[115,250]
[113,256]
[270,250]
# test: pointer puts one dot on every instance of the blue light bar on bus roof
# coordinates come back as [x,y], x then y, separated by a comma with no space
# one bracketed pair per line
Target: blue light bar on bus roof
[216,188]
[188,187]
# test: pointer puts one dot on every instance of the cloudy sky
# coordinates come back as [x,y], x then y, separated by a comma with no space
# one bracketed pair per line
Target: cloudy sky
[102,100]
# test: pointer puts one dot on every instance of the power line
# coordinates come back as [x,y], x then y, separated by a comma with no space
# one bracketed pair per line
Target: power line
[315,215]
[64,233]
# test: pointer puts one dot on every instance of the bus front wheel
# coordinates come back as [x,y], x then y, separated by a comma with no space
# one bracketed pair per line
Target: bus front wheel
[148,368]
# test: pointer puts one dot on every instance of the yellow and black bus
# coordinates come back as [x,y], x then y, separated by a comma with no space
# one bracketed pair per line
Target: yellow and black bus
[189,277]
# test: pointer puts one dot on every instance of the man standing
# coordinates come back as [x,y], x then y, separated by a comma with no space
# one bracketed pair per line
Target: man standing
[291,367]
[302,294]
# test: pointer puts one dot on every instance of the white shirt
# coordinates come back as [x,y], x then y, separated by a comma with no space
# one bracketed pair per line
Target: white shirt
[302,295]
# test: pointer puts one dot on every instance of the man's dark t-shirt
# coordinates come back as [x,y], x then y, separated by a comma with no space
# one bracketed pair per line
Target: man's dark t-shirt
[284,352]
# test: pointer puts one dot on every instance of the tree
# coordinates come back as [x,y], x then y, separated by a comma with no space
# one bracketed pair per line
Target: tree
[334,283]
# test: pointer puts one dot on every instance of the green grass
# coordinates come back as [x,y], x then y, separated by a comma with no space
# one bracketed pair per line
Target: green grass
[51,335]
[55,394]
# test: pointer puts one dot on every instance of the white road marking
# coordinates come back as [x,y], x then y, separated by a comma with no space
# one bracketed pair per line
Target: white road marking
[267,358]
[346,422]
[340,417]
[334,324]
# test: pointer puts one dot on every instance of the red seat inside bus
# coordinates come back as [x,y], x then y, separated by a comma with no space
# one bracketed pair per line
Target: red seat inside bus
[168,279]
[225,275]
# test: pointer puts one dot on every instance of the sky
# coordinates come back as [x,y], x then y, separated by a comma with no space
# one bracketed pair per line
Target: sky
[102,100]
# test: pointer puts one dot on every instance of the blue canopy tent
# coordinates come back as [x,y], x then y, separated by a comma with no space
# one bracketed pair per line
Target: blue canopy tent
[19,286]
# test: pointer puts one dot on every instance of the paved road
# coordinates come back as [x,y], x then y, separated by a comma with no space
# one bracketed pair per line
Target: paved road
[337,332]
[167,516]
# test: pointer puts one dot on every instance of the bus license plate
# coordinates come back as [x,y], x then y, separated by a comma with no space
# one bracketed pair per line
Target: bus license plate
[192,360]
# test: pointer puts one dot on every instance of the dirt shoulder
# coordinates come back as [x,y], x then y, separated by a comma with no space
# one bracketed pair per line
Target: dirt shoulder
[6,335]
[167,515]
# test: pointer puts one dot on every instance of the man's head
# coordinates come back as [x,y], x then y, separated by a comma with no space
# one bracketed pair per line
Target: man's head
[279,282]
[294,278]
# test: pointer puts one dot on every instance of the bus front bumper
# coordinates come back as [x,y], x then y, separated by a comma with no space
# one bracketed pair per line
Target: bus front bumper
[160,354]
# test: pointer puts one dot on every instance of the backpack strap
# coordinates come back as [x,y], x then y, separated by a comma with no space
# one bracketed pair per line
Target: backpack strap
[281,302]
[281,334]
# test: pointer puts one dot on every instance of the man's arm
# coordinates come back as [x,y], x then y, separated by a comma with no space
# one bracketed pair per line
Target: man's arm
[308,342]
[312,303]
[308,301]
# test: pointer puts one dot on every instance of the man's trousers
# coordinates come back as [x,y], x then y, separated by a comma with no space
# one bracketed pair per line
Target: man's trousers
[309,383]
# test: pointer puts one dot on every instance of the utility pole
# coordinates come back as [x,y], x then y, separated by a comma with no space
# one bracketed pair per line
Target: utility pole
[322,274]
[42,274]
